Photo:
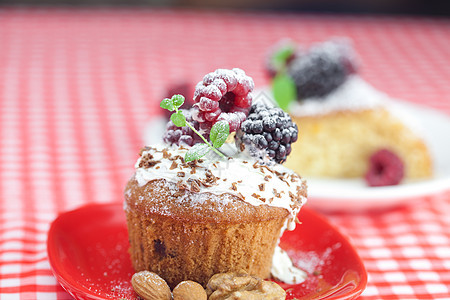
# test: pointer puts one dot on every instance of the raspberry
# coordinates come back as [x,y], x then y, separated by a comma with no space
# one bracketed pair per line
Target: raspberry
[267,134]
[223,95]
[322,69]
[183,136]
[385,168]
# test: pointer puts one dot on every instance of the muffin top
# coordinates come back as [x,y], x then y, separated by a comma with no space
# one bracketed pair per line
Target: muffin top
[239,177]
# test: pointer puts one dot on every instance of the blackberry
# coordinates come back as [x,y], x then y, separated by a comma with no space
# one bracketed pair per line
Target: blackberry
[223,95]
[267,134]
[322,69]
[182,136]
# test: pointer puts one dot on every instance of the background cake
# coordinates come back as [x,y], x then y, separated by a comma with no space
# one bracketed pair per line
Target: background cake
[342,131]
[344,122]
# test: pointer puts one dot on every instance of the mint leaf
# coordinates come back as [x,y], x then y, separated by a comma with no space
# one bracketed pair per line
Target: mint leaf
[195,152]
[219,133]
[284,90]
[178,119]
[280,58]
[167,103]
[177,100]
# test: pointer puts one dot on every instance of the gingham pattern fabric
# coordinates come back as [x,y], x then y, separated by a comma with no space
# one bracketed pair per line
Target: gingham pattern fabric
[77,88]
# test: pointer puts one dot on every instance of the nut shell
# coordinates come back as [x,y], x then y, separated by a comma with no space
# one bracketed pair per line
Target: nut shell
[150,286]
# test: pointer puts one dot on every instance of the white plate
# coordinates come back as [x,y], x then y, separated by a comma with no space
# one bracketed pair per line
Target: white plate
[355,195]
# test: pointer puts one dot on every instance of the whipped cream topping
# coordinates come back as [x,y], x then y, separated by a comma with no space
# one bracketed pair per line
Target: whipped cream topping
[354,94]
[284,270]
[238,175]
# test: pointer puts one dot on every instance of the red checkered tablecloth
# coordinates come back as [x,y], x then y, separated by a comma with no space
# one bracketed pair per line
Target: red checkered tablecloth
[78,86]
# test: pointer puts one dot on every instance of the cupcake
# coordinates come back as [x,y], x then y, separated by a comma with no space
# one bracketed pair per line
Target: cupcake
[191,216]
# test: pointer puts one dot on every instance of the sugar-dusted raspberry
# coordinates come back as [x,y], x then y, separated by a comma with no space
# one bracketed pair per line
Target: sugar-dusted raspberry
[267,133]
[223,95]
[182,136]
[385,168]
[322,69]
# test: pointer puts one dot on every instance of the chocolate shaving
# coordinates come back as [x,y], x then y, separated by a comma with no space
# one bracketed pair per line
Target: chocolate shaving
[146,148]
[262,187]
[281,177]
[210,178]
[193,164]
[177,157]
[181,174]
[195,186]
[268,169]
[292,195]
[173,166]
[254,195]
[242,147]
[181,185]
[234,186]
[148,163]
[275,192]
[278,173]
[266,178]
[166,154]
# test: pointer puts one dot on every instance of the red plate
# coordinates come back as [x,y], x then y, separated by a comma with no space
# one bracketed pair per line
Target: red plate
[87,249]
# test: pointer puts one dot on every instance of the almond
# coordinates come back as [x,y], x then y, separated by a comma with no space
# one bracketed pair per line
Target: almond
[189,290]
[149,286]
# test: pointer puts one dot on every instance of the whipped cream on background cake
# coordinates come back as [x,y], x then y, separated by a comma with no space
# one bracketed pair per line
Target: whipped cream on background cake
[353,94]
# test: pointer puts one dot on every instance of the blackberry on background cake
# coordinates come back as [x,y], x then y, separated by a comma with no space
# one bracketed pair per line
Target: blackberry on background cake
[188,220]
